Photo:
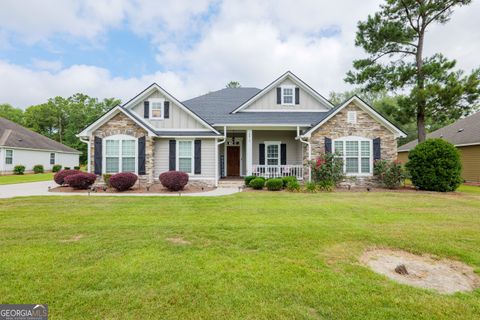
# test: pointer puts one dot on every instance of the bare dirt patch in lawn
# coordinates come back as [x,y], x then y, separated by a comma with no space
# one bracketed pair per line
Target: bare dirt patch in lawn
[441,275]
[178,240]
[73,239]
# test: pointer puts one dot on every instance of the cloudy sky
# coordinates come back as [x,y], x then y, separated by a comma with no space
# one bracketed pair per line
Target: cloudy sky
[115,48]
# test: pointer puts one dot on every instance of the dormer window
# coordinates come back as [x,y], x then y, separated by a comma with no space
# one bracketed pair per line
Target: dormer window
[288,95]
[156,109]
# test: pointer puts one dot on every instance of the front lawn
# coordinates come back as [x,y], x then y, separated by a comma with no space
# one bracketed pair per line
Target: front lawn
[30,177]
[246,256]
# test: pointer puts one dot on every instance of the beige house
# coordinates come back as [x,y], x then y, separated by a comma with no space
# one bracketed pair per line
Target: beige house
[237,132]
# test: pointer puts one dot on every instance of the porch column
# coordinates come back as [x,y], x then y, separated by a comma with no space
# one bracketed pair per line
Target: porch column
[248,152]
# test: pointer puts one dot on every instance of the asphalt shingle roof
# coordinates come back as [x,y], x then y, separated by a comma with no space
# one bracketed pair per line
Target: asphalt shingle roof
[464,131]
[14,135]
[215,108]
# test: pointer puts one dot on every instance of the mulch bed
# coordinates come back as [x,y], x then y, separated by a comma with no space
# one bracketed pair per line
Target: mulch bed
[155,188]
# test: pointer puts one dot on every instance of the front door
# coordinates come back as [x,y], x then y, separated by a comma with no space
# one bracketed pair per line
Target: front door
[233,161]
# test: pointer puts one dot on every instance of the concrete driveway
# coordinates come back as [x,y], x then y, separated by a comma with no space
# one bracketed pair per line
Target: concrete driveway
[41,189]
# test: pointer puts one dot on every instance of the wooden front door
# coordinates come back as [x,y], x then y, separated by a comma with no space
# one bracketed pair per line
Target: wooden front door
[233,161]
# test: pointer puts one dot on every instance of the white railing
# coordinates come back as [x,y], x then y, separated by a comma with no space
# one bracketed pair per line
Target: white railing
[269,171]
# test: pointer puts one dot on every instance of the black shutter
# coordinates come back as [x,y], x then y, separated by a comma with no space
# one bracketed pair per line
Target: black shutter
[166,110]
[283,154]
[328,145]
[297,95]
[172,155]
[146,109]
[141,155]
[279,95]
[97,158]
[376,149]
[198,157]
[261,153]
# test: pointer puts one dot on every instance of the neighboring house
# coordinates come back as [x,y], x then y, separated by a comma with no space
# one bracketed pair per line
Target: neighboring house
[237,132]
[21,146]
[465,135]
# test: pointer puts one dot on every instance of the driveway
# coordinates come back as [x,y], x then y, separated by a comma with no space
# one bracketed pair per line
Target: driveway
[41,189]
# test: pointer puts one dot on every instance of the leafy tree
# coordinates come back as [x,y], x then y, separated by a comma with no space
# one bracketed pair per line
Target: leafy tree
[233,84]
[394,40]
[11,113]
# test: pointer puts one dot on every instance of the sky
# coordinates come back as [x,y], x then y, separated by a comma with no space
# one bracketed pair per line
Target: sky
[116,48]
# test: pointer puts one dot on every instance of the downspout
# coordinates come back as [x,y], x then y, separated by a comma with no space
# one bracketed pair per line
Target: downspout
[309,146]
[88,153]
[216,153]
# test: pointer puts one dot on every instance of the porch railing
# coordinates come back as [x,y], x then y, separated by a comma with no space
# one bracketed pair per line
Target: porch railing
[269,171]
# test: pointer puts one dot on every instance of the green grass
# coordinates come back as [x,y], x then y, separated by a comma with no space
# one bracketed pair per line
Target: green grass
[30,177]
[469,189]
[251,255]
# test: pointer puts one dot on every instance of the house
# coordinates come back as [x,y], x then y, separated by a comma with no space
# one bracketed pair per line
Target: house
[465,135]
[21,146]
[236,132]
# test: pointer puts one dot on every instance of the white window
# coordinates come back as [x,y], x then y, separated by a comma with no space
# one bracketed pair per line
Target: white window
[352,117]
[120,154]
[156,108]
[8,156]
[52,158]
[272,153]
[288,95]
[185,155]
[356,153]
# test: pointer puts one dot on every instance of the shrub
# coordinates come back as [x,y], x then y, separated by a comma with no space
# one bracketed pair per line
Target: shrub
[293,186]
[325,185]
[327,170]
[174,180]
[248,179]
[76,167]
[435,165]
[123,181]
[106,179]
[257,183]
[80,180]
[56,168]
[19,169]
[66,168]
[38,168]
[311,187]
[288,179]
[389,173]
[59,177]
[274,184]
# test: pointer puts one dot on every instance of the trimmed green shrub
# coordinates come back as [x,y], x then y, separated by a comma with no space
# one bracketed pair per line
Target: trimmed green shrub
[66,168]
[389,173]
[19,169]
[274,184]
[288,179]
[435,165]
[293,186]
[311,187]
[106,179]
[248,179]
[38,168]
[257,183]
[56,168]
[76,168]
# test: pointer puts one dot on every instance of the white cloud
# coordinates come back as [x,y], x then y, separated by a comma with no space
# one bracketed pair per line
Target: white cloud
[49,65]
[249,41]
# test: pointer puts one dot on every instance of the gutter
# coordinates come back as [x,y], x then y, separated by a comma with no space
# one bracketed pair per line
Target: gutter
[88,153]
[217,143]
[309,145]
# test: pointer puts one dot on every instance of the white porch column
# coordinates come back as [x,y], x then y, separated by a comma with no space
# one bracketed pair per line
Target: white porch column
[249,153]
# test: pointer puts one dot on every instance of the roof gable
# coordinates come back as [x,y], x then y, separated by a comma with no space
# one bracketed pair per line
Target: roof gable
[290,78]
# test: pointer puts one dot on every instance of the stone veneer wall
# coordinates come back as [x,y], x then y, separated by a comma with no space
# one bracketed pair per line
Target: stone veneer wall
[338,127]
[121,124]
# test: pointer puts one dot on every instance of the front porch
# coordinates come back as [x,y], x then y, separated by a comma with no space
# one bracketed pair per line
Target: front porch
[267,153]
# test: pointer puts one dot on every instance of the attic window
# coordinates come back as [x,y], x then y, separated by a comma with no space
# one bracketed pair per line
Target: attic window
[352,117]
[288,93]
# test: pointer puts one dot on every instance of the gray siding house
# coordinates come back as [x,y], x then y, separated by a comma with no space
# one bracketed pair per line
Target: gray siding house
[234,132]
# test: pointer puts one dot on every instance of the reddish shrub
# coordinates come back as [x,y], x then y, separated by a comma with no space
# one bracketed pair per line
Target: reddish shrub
[123,181]
[174,180]
[80,180]
[59,177]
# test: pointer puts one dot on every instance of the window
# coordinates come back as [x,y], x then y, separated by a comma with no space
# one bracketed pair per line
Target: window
[352,117]
[272,153]
[120,154]
[356,153]
[52,158]
[185,156]
[8,156]
[156,108]
[288,94]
